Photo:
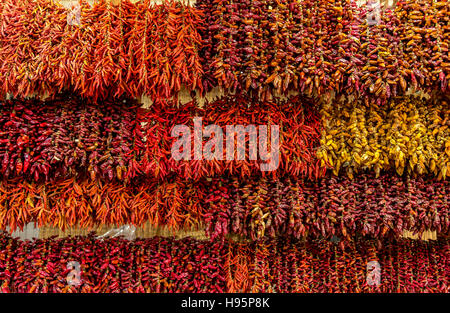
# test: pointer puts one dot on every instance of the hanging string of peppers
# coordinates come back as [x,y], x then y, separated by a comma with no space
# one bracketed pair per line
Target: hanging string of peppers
[167,265]
[136,48]
[153,265]
[318,47]
[175,204]
[114,140]
[133,48]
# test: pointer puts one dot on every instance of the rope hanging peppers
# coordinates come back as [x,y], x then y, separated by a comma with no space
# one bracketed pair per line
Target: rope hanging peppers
[174,204]
[266,47]
[113,140]
[299,128]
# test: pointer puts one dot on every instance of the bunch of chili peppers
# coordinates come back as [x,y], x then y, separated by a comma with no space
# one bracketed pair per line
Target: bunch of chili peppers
[317,47]
[175,204]
[386,206]
[424,40]
[320,266]
[111,265]
[298,123]
[167,265]
[98,50]
[67,136]
[114,140]
[408,135]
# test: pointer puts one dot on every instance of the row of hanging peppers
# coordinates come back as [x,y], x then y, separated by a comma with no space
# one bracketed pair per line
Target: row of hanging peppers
[408,135]
[322,46]
[264,47]
[253,208]
[86,264]
[115,140]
